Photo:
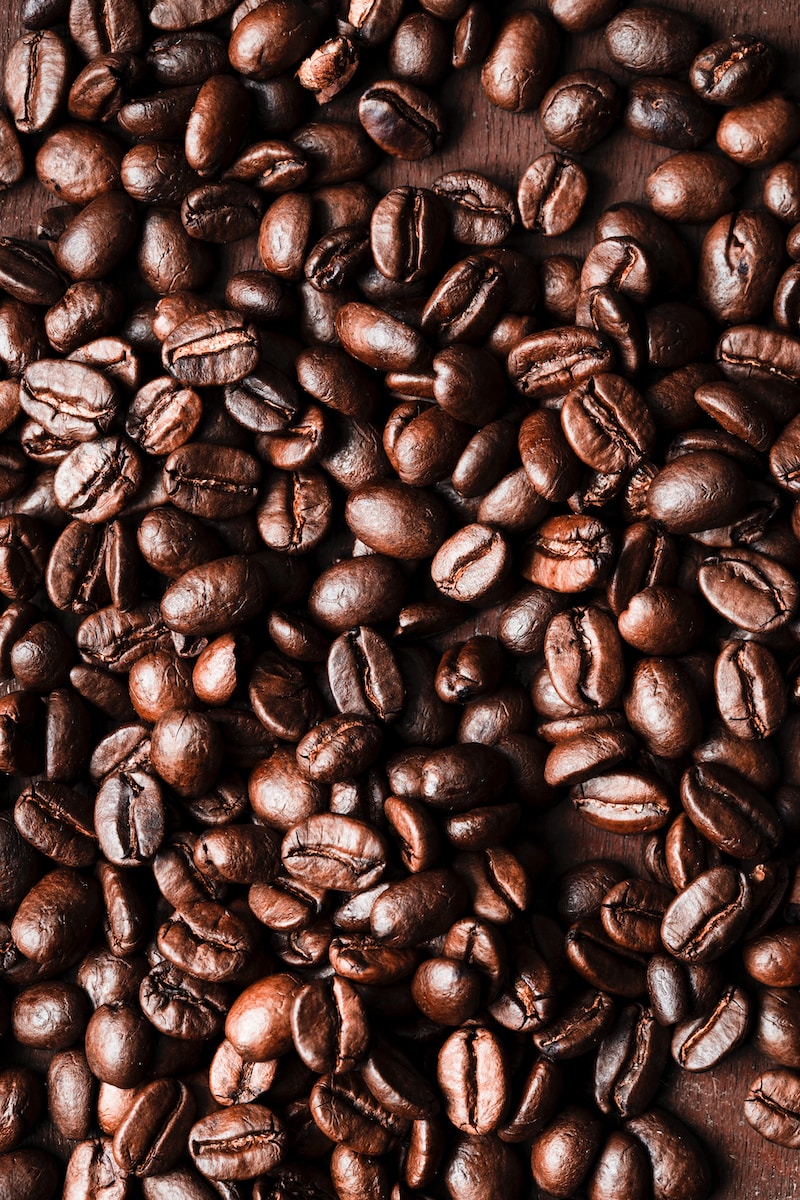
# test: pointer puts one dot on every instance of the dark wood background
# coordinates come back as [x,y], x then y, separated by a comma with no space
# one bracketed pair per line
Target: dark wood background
[502,145]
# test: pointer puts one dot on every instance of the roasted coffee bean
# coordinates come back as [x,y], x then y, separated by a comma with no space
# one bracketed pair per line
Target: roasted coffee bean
[630,1062]
[772,958]
[472,1076]
[668,113]
[700,1044]
[733,71]
[346,1112]
[481,212]
[212,348]
[759,133]
[677,1162]
[759,593]
[551,194]
[36,79]
[771,1106]
[401,119]
[652,41]
[239,1142]
[692,186]
[705,919]
[552,362]
[562,1156]
[520,64]
[579,110]
[739,266]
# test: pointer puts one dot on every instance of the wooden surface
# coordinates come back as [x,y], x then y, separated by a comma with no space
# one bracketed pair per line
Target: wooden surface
[501,145]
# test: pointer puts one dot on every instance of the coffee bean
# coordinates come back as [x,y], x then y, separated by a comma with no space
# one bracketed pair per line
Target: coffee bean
[239,1142]
[401,119]
[704,920]
[520,64]
[652,41]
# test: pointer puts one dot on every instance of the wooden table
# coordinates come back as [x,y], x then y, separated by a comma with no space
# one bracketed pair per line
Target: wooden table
[502,145]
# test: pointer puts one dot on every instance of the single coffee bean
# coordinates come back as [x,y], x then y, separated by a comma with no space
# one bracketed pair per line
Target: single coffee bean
[562,1156]
[771,1107]
[401,119]
[239,1142]
[520,64]
[706,918]
[678,1164]
[700,1044]
[734,70]
[579,110]
[759,133]
[652,41]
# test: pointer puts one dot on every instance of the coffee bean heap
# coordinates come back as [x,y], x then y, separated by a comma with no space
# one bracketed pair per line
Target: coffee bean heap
[323,586]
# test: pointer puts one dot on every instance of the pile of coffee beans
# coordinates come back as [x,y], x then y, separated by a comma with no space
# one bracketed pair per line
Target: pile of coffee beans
[328,573]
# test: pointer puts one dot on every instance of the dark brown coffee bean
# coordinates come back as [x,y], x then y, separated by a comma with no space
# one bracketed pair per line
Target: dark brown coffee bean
[568,554]
[364,677]
[334,851]
[678,1164]
[759,133]
[265,44]
[771,1106]
[357,591]
[772,958]
[551,194]
[29,1174]
[212,348]
[692,186]
[481,212]
[669,113]
[554,361]
[401,119]
[98,238]
[472,1075]
[705,919]
[739,265]
[621,1169]
[630,1062]
[239,1142]
[579,110]
[700,1044]
[347,1113]
[520,64]
[36,79]
[759,593]
[96,479]
[562,1156]
[652,41]
[733,71]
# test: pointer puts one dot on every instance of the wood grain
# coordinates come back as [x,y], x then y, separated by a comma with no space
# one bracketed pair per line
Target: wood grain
[502,145]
